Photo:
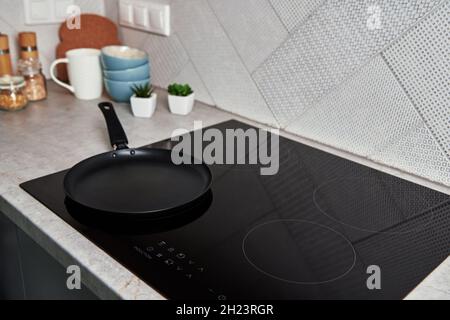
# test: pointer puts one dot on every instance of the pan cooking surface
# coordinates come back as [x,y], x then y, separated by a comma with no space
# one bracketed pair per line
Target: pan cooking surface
[135,181]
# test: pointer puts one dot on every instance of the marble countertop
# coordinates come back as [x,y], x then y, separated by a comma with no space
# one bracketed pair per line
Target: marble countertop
[55,134]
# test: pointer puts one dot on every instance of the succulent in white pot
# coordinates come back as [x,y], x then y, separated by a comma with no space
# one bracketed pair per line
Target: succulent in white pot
[181,98]
[143,101]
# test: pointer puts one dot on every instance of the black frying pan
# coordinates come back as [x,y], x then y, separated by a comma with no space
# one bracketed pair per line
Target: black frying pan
[134,183]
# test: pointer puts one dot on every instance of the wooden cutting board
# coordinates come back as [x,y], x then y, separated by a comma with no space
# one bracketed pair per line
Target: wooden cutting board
[96,32]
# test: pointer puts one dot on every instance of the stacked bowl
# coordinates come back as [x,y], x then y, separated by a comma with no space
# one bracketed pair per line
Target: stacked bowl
[124,68]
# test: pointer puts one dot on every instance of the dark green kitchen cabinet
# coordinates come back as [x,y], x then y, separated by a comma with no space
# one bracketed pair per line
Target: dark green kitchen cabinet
[27,271]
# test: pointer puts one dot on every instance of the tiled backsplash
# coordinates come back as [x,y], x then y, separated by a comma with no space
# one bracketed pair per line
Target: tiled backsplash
[12,21]
[328,48]
[320,69]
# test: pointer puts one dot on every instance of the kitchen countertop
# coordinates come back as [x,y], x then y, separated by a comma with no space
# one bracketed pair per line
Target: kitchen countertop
[55,134]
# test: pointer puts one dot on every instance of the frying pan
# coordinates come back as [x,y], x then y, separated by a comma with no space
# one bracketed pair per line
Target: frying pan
[108,222]
[134,184]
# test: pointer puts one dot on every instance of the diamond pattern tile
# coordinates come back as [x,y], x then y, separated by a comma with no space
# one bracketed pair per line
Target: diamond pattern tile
[328,48]
[217,62]
[133,37]
[417,152]
[368,112]
[190,75]
[167,57]
[421,62]
[293,13]
[253,27]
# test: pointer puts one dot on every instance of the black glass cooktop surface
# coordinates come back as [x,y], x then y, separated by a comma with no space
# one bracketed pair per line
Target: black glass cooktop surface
[322,228]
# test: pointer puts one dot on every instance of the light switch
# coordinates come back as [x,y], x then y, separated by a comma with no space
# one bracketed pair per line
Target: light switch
[157,19]
[46,11]
[151,16]
[40,10]
[141,16]
[126,13]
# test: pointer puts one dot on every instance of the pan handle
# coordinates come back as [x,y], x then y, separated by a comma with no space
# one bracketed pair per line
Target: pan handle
[117,136]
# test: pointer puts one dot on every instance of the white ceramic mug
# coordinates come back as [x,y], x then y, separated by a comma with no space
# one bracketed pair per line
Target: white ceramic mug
[85,73]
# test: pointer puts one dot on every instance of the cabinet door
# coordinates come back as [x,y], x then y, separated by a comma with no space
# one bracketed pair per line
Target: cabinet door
[27,271]
[11,282]
[44,277]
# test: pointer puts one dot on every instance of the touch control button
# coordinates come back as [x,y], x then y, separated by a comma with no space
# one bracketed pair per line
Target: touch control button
[181,256]
[169,262]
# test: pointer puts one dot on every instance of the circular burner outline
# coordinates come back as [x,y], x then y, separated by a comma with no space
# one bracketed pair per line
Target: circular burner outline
[422,227]
[292,281]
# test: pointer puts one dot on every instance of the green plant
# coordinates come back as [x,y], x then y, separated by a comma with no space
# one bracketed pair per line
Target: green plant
[181,90]
[143,91]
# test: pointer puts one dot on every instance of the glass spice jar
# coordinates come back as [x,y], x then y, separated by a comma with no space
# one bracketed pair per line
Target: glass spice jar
[12,93]
[5,57]
[35,82]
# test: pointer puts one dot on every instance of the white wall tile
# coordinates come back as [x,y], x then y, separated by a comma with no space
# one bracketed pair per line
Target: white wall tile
[253,27]
[367,113]
[217,62]
[191,76]
[12,21]
[327,49]
[295,12]
[421,62]
[167,57]
[326,81]
[169,60]
[133,37]
[417,152]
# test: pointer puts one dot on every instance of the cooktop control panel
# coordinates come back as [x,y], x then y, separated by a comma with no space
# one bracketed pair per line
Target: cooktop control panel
[180,264]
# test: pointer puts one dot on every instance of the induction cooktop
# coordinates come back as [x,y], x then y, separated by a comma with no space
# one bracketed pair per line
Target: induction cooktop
[323,227]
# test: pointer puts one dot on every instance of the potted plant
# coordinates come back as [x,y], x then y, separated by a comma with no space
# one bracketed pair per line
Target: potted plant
[181,98]
[143,101]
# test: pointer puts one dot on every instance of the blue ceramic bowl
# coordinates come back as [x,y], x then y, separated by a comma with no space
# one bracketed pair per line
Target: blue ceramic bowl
[135,74]
[121,91]
[122,57]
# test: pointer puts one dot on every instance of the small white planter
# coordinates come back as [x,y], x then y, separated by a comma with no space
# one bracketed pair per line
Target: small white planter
[181,105]
[143,107]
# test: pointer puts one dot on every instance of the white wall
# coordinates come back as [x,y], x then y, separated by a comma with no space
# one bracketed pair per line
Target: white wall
[12,21]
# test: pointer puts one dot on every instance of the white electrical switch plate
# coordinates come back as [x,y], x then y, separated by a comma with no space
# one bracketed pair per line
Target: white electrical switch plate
[46,11]
[126,13]
[157,19]
[149,16]
[141,16]
[39,10]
